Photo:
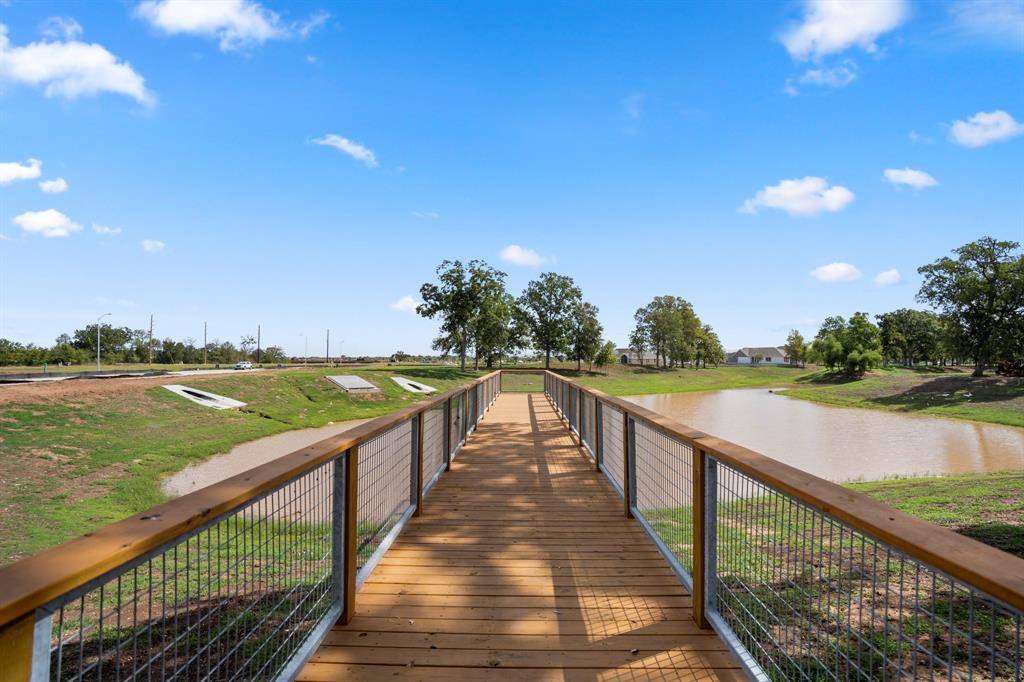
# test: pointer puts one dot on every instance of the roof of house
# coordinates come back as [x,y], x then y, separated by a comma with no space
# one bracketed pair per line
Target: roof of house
[764,351]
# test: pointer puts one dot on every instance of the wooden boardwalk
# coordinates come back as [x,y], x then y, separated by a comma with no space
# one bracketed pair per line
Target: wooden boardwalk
[522,567]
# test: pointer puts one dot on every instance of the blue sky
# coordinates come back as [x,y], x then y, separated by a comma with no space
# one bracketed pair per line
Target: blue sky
[305,166]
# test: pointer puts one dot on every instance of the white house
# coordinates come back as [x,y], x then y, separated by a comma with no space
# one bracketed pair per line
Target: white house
[628,356]
[770,355]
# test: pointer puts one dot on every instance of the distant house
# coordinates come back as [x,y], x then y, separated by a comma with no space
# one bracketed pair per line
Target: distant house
[628,356]
[770,355]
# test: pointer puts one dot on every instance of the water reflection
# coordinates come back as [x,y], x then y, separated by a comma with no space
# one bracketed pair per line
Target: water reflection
[843,444]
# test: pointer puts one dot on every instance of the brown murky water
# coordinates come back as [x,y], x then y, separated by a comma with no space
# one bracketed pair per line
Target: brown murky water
[840,443]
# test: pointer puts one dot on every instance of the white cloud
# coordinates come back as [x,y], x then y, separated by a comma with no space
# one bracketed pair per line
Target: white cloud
[917,179]
[985,127]
[888,277]
[834,77]
[353,149]
[152,245]
[994,21]
[916,138]
[70,69]
[49,223]
[106,231]
[426,215]
[56,186]
[634,105]
[405,304]
[518,255]
[11,171]
[831,26]
[235,24]
[61,27]
[836,272]
[805,196]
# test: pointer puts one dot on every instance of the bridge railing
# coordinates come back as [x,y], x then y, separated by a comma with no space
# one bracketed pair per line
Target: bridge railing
[804,579]
[239,580]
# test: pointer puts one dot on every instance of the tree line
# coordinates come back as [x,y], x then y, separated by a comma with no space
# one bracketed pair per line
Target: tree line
[480,319]
[977,318]
[669,328]
[127,345]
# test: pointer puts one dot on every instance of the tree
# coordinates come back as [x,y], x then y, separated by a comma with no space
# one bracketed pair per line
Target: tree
[709,347]
[605,356]
[548,305]
[668,327]
[854,346]
[909,336]
[451,299]
[491,322]
[399,356]
[796,348]
[113,340]
[757,359]
[273,355]
[585,335]
[981,293]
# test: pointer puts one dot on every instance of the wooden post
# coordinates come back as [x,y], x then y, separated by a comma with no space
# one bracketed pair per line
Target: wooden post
[348,609]
[699,528]
[625,464]
[16,644]
[419,461]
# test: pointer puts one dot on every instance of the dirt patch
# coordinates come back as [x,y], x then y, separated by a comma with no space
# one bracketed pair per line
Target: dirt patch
[248,455]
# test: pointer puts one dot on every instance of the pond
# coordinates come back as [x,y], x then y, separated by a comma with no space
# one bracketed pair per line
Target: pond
[844,444]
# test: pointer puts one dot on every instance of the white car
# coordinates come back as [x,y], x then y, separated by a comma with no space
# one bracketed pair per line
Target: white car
[244,364]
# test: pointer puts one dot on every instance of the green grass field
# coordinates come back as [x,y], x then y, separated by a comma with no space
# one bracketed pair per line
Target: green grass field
[71,467]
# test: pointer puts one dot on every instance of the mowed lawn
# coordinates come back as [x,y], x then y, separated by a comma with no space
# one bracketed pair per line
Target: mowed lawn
[73,466]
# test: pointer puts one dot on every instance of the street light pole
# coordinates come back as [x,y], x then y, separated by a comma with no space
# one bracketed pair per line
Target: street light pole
[98,325]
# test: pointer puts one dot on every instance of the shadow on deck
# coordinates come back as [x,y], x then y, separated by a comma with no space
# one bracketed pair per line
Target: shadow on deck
[522,567]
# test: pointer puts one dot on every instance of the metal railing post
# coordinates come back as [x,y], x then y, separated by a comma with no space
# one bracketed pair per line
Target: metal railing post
[338,523]
[348,607]
[416,498]
[629,459]
[448,435]
[25,648]
[705,485]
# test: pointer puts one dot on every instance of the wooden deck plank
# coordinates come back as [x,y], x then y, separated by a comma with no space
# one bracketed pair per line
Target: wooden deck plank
[522,567]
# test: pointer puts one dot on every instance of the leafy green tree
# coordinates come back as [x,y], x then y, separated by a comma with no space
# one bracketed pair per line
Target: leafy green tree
[909,336]
[548,305]
[709,347]
[586,333]
[455,299]
[853,346]
[757,359]
[491,320]
[605,356]
[668,327]
[273,355]
[113,340]
[980,293]
[796,348]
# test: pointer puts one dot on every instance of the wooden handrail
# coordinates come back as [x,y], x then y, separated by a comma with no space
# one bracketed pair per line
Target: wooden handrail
[991,570]
[38,579]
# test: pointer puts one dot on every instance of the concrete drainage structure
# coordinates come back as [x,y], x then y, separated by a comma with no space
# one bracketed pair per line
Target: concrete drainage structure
[412,386]
[217,402]
[350,383]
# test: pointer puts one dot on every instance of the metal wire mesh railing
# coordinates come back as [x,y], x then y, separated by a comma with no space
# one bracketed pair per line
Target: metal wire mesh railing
[433,445]
[796,589]
[386,489]
[241,580]
[234,600]
[812,598]
[662,490]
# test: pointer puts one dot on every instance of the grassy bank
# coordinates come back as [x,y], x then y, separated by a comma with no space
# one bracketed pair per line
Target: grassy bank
[74,465]
[942,392]
[633,380]
[986,507]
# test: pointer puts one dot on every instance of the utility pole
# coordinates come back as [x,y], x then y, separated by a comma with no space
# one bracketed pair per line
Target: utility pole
[99,325]
[328,352]
[258,330]
[204,343]
[151,338]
